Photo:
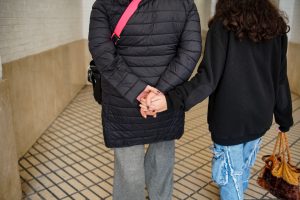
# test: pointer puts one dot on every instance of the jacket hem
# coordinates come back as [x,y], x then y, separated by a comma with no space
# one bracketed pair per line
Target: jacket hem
[130,142]
[235,141]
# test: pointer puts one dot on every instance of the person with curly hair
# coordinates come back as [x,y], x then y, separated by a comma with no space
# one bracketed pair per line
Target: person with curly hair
[244,73]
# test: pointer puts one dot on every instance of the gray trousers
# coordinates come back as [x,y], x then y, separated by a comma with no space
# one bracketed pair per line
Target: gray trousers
[134,168]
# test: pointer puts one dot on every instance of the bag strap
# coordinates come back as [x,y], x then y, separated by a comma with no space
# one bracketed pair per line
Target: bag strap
[286,148]
[130,10]
[283,145]
[277,144]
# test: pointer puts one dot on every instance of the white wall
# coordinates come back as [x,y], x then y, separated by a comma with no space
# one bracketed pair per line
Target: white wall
[87,7]
[31,26]
[292,9]
[295,26]
[288,7]
[204,10]
[213,7]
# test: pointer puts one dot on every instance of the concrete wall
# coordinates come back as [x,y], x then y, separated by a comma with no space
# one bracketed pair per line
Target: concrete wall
[45,61]
[41,86]
[10,188]
[86,9]
[28,27]
[294,49]
[0,69]
[292,8]
[294,67]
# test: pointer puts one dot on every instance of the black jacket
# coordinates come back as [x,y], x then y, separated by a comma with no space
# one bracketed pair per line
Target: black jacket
[247,83]
[160,46]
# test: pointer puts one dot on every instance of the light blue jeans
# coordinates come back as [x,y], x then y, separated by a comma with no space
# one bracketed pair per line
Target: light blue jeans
[134,169]
[231,167]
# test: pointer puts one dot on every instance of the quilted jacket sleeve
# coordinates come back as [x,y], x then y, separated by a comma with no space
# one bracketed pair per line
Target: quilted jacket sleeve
[110,64]
[188,53]
[210,71]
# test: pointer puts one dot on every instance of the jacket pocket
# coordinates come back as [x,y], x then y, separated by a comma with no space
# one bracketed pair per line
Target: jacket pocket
[219,166]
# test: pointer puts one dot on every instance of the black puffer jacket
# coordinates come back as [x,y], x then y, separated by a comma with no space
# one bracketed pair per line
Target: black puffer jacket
[160,46]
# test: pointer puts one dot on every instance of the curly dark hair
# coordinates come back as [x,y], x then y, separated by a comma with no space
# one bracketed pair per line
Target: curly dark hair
[257,20]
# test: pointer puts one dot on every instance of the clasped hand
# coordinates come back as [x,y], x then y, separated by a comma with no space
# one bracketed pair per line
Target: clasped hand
[152,101]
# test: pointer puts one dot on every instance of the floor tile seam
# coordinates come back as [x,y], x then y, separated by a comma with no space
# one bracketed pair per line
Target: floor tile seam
[72,177]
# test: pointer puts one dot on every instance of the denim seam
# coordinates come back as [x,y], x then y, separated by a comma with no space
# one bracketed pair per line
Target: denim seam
[255,149]
[227,150]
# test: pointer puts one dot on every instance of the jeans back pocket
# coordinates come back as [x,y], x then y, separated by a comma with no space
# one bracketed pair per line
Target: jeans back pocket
[219,167]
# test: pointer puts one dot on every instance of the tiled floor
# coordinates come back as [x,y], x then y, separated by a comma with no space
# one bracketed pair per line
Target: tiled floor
[69,161]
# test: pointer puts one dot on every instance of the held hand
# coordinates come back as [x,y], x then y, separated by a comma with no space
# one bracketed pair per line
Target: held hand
[152,92]
[145,111]
[149,98]
[152,89]
[146,91]
[157,103]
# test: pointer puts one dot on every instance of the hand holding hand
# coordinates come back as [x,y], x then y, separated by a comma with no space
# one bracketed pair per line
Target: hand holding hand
[146,91]
[145,111]
[156,102]
[152,101]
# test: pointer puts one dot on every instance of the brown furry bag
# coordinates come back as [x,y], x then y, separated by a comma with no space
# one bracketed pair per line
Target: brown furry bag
[279,176]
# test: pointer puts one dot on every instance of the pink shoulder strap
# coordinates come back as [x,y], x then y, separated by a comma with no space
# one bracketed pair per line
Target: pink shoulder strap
[130,10]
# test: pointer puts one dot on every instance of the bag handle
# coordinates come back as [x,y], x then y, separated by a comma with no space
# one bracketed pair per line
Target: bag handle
[287,148]
[283,145]
[277,144]
[130,10]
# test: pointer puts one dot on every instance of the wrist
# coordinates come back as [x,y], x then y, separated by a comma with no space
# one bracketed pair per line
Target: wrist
[168,101]
[284,129]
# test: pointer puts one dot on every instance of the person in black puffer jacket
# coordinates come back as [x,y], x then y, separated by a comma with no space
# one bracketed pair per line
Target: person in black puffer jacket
[160,46]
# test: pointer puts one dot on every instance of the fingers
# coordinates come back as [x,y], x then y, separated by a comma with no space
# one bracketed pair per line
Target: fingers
[146,91]
[146,113]
[143,113]
[143,107]
[152,113]
[149,98]
[142,95]
[144,102]
[155,101]
[152,89]
[157,98]
[158,103]
[146,99]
